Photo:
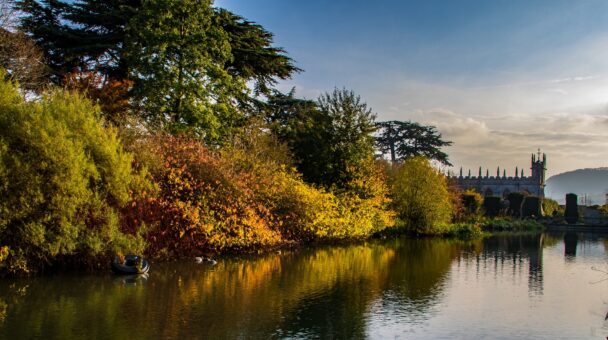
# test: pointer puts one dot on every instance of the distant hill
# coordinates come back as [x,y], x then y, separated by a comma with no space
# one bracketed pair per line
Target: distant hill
[592,182]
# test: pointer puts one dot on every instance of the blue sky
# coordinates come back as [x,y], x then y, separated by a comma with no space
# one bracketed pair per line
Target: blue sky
[499,78]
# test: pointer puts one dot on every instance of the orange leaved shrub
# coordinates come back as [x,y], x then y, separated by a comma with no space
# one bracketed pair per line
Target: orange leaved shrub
[199,204]
[238,199]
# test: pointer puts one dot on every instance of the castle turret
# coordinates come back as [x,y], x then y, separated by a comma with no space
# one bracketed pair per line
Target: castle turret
[538,168]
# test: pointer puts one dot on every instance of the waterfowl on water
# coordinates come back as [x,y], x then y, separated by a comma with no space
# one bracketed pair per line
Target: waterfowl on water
[208,260]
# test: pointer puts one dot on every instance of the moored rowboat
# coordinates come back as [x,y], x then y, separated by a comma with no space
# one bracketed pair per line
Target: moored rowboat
[132,264]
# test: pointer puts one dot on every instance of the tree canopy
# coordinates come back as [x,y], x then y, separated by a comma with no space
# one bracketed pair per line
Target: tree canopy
[420,195]
[178,51]
[210,55]
[407,139]
[330,138]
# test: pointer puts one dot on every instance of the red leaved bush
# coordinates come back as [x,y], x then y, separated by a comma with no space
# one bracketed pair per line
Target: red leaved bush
[201,203]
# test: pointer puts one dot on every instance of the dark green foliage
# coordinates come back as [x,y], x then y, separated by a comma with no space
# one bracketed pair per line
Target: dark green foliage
[407,139]
[178,51]
[472,202]
[253,56]
[80,36]
[463,231]
[531,207]
[515,201]
[491,205]
[305,129]
[571,213]
[98,28]
[63,179]
[43,21]
[287,114]
[348,125]
[330,139]
[118,39]
[511,225]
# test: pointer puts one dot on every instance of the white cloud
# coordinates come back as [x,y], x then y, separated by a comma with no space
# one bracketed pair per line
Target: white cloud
[570,141]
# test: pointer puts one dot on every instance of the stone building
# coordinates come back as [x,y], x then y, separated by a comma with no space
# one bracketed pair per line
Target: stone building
[502,185]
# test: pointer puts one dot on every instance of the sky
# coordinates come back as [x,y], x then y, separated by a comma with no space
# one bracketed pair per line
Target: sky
[500,79]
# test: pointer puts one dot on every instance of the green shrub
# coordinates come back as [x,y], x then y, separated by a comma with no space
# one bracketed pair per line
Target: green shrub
[491,205]
[511,225]
[515,199]
[473,203]
[420,195]
[530,207]
[63,177]
[551,207]
[462,230]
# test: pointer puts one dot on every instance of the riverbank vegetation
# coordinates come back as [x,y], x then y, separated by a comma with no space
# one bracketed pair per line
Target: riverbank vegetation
[161,132]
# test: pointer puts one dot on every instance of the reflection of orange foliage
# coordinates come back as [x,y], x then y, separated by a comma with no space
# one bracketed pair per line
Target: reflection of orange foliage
[269,285]
[110,94]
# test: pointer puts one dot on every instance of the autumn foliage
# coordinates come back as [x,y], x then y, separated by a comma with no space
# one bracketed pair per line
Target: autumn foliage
[111,95]
[206,201]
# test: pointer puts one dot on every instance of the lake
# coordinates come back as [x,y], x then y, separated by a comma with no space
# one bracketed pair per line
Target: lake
[547,286]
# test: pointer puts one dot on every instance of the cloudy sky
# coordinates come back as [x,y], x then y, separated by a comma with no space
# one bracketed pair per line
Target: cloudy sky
[498,78]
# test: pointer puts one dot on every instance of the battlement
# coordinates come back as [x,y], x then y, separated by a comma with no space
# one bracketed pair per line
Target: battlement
[503,185]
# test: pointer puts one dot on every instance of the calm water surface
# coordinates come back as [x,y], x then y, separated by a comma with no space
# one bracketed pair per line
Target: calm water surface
[550,286]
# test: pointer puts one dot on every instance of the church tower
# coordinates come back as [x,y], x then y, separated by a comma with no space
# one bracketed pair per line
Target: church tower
[538,168]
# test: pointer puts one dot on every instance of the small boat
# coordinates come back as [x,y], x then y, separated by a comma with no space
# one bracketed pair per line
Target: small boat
[132,264]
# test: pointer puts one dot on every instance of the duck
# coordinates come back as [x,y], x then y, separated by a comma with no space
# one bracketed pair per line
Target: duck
[210,261]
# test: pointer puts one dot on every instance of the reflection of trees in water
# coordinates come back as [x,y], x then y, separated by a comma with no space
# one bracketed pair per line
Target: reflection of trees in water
[324,292]
[517,252]
[570,244]
[233,299]
[577,243]
[418,270]
[408,283]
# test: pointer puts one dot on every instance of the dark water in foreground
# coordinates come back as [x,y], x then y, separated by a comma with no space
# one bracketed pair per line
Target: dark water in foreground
[527,287]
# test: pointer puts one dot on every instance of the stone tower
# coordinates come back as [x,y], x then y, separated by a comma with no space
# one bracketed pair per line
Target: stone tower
[538,168]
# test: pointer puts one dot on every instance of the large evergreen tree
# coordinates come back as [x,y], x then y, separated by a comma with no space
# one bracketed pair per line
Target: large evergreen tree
[90,35]
[253,56]
[43,21]
[104,42]
[178,52]
[403,140]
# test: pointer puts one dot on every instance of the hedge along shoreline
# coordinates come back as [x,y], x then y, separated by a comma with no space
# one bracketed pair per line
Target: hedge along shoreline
[71,194]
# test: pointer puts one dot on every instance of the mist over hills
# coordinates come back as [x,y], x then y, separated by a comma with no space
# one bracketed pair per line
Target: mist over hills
[590,182]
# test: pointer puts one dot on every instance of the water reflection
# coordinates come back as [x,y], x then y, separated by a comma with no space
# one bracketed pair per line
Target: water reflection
[570,244]
[376,289]
[523,252]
